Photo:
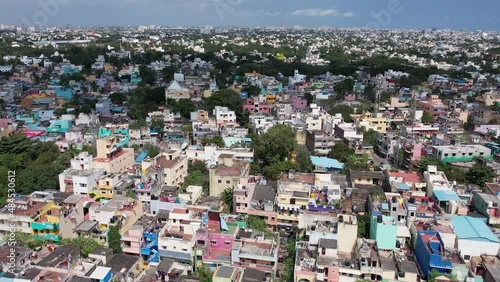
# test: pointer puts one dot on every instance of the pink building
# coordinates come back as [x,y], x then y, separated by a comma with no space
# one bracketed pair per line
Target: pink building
[264,108]
[299,102]
[350,97]
[249,105]
[434,106]
[220,237]
[5,123]
[131,240]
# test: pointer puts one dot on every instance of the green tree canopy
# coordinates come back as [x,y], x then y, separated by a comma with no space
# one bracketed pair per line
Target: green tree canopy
[427,118]
[340,152]
[184,107]
[114,239]
[227,198]
[371,136]
[345,110]
[480,174]
[274,146]
[303,159]
[356,162]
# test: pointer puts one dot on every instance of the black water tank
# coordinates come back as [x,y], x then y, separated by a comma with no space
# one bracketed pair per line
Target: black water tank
[379,218]
[341,218]
[412,200]
[394,199]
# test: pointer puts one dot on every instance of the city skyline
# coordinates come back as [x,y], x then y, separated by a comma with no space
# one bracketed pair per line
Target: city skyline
[398,14]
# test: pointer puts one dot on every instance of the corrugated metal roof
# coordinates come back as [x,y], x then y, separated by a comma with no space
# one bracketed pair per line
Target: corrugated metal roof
[471,228]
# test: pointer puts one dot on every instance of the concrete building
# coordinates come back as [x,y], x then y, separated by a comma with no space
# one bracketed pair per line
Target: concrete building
[474,237]
[434,106]
[112,157]
[460,153]
[227,174]
[369,121]
[174,167]
[383,230]
[435,180]
[488,205]
[293,196]
[430,253]
[81,177]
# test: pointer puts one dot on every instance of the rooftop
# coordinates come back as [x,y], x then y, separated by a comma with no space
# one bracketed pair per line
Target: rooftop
[471,228]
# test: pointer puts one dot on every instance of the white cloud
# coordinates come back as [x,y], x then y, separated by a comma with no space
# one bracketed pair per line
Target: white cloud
[316,12]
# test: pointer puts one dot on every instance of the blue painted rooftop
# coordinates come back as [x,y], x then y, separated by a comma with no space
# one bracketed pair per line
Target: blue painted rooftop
[326,162]
[403,186]
[446,195]
[141,157]
[471,228]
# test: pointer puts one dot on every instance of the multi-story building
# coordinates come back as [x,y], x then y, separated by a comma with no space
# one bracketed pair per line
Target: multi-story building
[210,154]
[226,174]
[174,167]
[178,237]
[434,106]
[176,91]
[436,180]
[488,205]
[319,143]
[112,156]
[81,177]
[430,253]
[216,240]
[149,181]
[383,230]
[224,115]
[461,153]
[293,196]
[19,218]
[257,199]
[252,252]
[369,121]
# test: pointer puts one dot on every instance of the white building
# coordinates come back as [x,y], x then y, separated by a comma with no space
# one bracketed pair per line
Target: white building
[210,154]
[224,115]
[435,180]
[462,151]
[296,78]
[474,237]
[81,177]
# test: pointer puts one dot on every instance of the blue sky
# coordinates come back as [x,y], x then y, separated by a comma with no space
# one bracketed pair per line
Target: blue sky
[454,14]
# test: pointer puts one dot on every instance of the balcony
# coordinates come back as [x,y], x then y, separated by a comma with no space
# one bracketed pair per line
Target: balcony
[44,226]
[105,187]
[262,267]
[47,237]
[131,238]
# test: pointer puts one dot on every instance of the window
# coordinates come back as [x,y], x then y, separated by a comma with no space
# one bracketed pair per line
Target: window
[227,243]
[219,181]
[394,208]
[213,243]
[466,257]
[228,181]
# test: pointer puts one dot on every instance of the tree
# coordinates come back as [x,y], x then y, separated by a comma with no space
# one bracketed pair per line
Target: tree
[204,274]
[371,136]
[274,170]
[427,161]
[304,159]
[480,174]
[356,162]
[130,194]
[435,274]
[427,118]
[252,90]
[117,98]
[345,110]
[152,150]
[218,141]
[147,74]
[256,223]
[197,165]
[158,125]
[363,225]
[309,97]
[114,239]
[195,178]
[227,198]
[225,98]
[274,146]
[184,107]
[344,87]
[340,152]
[87,245]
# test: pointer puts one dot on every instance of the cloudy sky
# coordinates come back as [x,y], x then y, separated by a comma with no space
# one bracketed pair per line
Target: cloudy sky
[455,14]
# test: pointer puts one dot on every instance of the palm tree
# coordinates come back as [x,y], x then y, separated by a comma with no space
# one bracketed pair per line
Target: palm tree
[227,197]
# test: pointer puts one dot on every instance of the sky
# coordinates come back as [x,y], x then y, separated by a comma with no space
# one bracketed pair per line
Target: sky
[401,14]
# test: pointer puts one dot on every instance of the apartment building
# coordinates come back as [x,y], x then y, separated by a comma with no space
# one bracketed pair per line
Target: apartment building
[224,115]
[257,199]
[253,252]
[369,121]
[434,106]
[320,143]
[460,153]
[81,177]
[227,173]
[177,238]
[112,156]
[293,197]
[174,167]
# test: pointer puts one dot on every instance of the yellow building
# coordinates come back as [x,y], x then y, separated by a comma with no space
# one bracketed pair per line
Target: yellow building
[369,121]
[45,224]
[293,197]
[271,99]
[111,156]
